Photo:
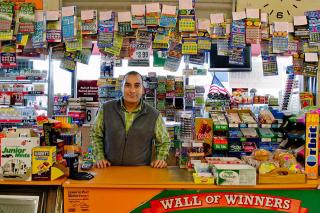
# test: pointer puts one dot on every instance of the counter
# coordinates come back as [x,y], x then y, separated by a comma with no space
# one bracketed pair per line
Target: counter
[121,189]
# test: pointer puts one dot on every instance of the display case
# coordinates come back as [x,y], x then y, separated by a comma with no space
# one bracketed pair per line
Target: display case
[31,196]
[23,94]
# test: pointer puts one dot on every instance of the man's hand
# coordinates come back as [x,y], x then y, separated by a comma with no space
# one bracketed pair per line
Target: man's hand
[159,164]
[100,164]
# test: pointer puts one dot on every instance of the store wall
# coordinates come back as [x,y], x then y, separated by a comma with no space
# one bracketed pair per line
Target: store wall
[279,10]
[203,7]
[51,4]
[255,79]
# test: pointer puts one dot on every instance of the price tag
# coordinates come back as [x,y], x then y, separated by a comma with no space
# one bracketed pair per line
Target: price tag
[91,113]
[252,125]
[265,139]
[195,161]
[233,125]
[141,54]
[266,125]
[243,125]
[184,144]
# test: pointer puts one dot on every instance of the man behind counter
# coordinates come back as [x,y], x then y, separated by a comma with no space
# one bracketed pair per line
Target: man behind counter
[124,129]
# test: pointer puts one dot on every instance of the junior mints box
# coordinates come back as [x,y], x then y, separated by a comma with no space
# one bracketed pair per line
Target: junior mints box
[16,157]
[43,157]
[228,174]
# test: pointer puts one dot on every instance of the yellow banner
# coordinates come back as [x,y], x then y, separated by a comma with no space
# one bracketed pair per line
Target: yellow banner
[312,138]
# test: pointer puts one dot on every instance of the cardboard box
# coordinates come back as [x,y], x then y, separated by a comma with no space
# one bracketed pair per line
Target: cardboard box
[230,174]
[203,178]
[204,133]
[43,158]
[16,157]
[18,132]
[223,160]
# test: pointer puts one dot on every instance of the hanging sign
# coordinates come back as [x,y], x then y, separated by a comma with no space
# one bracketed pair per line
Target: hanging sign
[76,44]
[53,26]
[168,16]
[269,65]
[124,24]
[138,12]
[26,18]
[152,14]
[116,46]
[89,22]
[174,57]
[314,27]
[106,29]
[8,55]
[189,46]
[68,62]
[238,34]
[38,37]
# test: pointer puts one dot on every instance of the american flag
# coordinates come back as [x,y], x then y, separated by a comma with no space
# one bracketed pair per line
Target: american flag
[217,87]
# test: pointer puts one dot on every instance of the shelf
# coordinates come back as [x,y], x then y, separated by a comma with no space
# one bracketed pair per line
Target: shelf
[57,182]
[24,107]
[243,125]
[16,121]
[270,126]
[30,93]
[22,82]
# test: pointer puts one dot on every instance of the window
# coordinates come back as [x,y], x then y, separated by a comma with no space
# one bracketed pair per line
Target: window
[61,79]
[264,84]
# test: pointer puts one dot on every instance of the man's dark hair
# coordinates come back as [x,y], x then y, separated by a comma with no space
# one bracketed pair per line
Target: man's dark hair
[132,73]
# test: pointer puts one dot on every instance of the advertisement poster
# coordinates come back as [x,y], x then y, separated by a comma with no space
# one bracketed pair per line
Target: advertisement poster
[87,88]
[267,201]
[39,37]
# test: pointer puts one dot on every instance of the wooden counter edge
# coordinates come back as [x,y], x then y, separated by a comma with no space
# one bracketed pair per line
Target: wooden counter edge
[309,185]
[57,182]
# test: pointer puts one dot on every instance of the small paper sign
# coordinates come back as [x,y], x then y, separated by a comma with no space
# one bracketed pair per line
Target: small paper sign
[238,15]
[300,20]
[185,5]
[52,15]
[124,16]
[38,16]
[153,7]
[203,24]
[68,11]
[281,26]
[216,18]
[290,28]
[264,17]
[105,15]
[169,10]
[311,57]
[228,28]
[253,13]
[138,9]
[87,14]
